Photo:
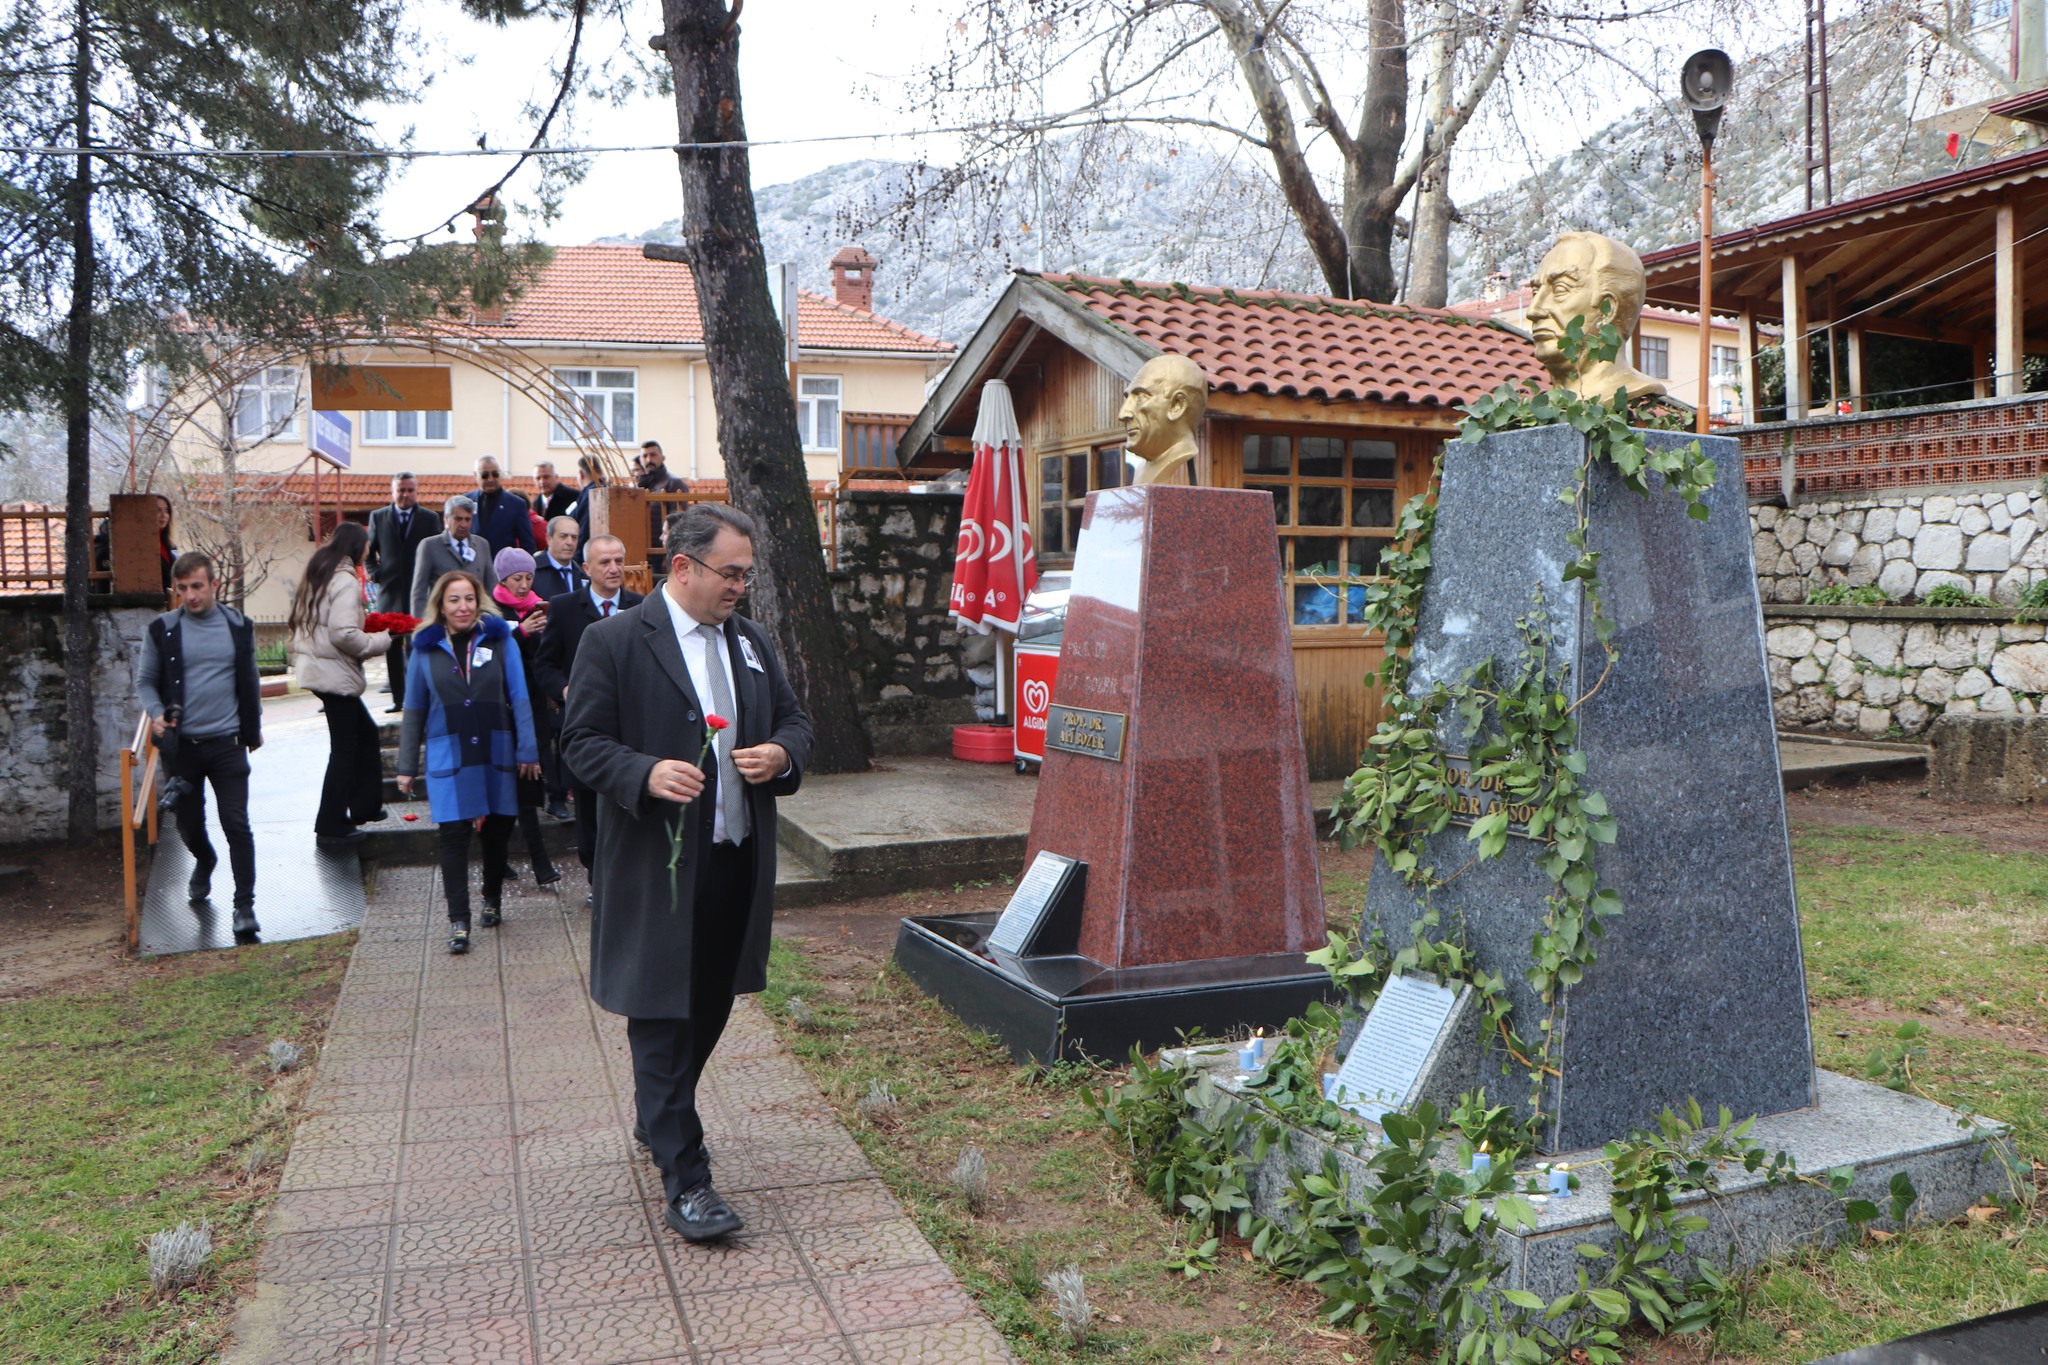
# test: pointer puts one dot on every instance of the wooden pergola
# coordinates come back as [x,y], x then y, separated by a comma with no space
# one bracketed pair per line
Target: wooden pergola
[1953,259]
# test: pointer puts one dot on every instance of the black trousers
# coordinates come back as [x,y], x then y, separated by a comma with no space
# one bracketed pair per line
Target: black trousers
[225,764]
[497,834]
[353,791]
[669,1055]
[395,660]
[547,728]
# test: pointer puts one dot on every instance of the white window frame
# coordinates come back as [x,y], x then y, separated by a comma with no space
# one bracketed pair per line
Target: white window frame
[370,415]
[267,387]
[582,380]
[809,400]
[1727,361]
[1663,351]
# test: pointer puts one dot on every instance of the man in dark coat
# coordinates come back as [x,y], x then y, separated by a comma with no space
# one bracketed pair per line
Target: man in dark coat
[551,497]
[672,942]
[502,516]
[395,535]
[569,614]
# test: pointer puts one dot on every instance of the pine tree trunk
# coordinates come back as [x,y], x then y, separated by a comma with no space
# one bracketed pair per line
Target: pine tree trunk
[750,394]
[82,738]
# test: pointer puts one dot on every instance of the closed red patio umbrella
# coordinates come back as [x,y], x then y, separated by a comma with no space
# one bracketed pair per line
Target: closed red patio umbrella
[994,564]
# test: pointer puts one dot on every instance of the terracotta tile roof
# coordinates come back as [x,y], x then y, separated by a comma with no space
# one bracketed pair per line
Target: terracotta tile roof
[613,293]
[1312,345]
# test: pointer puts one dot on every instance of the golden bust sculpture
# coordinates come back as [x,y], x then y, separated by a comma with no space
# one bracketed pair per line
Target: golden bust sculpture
[1162,408]
[1586,275]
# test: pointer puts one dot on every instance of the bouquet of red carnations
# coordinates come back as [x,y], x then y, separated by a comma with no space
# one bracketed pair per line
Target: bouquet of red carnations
[395,622]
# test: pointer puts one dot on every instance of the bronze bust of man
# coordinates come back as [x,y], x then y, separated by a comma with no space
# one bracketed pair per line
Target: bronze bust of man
[1586,275]
[1162,410]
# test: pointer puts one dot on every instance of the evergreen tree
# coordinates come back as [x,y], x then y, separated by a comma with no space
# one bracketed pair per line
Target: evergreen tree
[115,252]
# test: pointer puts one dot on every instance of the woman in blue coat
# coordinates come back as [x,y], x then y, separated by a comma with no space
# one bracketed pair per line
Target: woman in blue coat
[465,701]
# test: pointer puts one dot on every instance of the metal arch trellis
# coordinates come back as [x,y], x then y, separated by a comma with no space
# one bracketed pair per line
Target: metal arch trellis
[473,344]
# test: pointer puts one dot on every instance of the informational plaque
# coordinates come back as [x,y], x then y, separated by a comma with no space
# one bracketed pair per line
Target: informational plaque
[1385,1064]
[1482,796]
[1078,730]
[1051,883]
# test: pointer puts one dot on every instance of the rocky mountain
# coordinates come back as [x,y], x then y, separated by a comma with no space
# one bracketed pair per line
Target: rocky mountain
[1638,178]
[1124,206]
[1127,204]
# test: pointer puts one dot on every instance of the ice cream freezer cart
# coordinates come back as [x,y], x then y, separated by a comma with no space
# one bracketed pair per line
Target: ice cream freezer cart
[1037,667]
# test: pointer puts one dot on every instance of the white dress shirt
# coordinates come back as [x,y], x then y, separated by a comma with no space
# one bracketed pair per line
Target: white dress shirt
[464,551]
[598,599]
[699,658]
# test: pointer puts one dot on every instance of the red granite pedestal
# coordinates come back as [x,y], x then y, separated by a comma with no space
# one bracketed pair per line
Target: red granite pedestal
[1199,838]
[1183,787]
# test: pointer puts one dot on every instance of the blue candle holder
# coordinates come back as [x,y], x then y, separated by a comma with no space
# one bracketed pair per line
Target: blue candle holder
[1329,1086]
[1560,1182]
[1482,1164]
[1248,1057]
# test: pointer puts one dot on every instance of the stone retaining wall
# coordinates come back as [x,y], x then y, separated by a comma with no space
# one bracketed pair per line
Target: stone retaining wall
[894,574]
[1907,544]
[34,724]
[1879,671]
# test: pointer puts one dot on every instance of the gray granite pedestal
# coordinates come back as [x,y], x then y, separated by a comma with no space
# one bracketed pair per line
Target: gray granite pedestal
[1952,1162]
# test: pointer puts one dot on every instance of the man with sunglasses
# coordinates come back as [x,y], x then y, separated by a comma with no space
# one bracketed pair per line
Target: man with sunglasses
[685,872]
[502,517]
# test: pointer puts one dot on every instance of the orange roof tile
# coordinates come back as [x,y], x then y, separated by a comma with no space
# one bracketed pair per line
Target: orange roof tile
[613,293]
[1313,345]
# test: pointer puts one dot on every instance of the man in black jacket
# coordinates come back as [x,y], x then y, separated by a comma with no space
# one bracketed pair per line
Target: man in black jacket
[671,944]
[555,570]
[502,517]
[395,535]
[569,615]
[551,497]
[197,679]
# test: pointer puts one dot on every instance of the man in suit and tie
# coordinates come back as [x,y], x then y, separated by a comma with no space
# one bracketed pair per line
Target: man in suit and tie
[502,517]
[458,547]
[670,949]
[601,596]
[395,535]
[551,497]
[555,570]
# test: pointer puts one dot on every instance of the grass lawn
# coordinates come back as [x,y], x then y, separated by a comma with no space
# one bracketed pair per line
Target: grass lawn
[1899,926]
[127,1111]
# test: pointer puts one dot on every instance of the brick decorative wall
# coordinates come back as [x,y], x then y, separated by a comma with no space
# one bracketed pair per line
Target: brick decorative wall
[1989,441]
[895,572]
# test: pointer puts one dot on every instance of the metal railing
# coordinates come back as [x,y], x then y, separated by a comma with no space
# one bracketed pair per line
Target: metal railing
[32,551]
[867,444]
[824,502]
[139,769]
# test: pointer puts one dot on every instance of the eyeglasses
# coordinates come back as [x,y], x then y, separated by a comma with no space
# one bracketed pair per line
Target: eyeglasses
[743,577]
[487,474]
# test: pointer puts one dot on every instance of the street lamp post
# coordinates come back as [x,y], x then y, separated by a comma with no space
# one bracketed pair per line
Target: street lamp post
[1704,83]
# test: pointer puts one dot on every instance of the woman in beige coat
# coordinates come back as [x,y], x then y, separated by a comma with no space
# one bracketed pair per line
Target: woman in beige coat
[329,645]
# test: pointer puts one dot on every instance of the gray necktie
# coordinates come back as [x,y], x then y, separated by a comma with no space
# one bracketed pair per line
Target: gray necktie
[732,793]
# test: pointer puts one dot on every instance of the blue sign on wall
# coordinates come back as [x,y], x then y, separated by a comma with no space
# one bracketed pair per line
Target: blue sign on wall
[331,434]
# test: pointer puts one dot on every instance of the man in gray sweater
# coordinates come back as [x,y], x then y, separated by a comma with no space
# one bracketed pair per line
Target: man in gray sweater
[197,679]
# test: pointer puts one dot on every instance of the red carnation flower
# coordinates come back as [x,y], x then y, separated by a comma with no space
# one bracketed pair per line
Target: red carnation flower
[717,722]
[395,622]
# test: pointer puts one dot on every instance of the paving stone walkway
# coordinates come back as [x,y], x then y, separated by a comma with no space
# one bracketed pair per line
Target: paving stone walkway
[464,1188]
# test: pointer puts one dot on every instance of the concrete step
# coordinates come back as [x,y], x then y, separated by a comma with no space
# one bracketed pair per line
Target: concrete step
[1817,760]
[401,842]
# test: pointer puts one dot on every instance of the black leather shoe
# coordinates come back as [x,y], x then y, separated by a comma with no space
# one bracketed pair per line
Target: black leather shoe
[640,1135]
[700,1215]
[559,810]
[548,880]
[458,936]
[199,887]
[245,921]
[493,915]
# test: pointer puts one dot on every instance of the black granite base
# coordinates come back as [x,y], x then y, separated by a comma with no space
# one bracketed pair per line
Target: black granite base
[1059,1008]
[2009,1338]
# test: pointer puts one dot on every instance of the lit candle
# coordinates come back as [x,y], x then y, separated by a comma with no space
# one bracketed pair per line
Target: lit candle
[1259,1042]
[1482,1163]
[1560,1180]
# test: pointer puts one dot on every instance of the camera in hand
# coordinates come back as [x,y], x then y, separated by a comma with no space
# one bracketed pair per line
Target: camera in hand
[176,789]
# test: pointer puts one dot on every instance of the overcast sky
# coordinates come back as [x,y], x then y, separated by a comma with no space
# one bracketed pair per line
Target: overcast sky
[807,67]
